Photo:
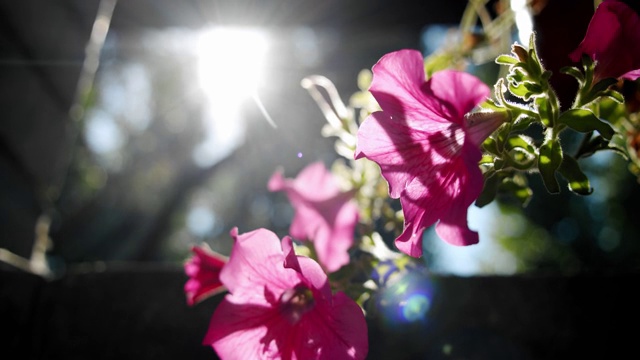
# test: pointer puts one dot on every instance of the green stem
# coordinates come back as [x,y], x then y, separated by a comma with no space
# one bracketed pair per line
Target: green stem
[555,105]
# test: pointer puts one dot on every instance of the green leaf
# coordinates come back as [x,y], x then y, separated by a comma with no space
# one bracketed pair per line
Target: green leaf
[548,162]
[522,123]
[603,85]
[533,88]
[587,62]
[618,145]
[519,190]
[535,68]
[544,110]
[501,137]
[584,121]
[521,152]
[489,190]
[611,110]
[597,143]
[506,60]
[522,141]
[614,95]
[517,75]
[491,145]
[573,71]
[486,159]
[436,62]
[490,104]
[519,90]
[578,181]
[521,159]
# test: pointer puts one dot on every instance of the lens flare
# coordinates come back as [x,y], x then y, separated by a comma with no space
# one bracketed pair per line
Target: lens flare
[415,307]
[407,300]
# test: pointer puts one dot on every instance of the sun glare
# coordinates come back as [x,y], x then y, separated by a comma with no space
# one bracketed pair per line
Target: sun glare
[231,62]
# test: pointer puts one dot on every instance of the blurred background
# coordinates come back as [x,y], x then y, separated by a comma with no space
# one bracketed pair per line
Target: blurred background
[133,130]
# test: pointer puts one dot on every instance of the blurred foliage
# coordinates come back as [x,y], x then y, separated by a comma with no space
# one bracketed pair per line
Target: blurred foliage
[133,203]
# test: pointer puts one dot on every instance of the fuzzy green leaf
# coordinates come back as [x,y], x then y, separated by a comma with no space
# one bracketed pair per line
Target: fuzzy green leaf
[489,190]
[522,141]
[437,62]
[506,60]
[522,154]
[519,90]
[603,85]
[614,95]
[578,181]
[544,110]
[548,162]
[573,71]
[490,104]
[519,191]
[491,146]
[584,121]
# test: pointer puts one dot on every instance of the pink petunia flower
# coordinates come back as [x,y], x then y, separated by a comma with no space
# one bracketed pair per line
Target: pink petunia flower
[203,270]
[280,306]
[427,151]
[323,213]
[612,40]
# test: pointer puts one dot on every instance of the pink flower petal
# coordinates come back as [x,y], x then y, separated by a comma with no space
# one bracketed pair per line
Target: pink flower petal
[203,270]
[611,40]
[423,146]
[284,308]
[257,258]
[323,213]
[393,145]
[310,269]
[397,84]
[453,94]
[237,330]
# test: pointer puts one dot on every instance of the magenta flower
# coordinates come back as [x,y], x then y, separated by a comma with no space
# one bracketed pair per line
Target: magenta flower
[427,151]
[612,40]
[323,213]
[280,306]
[203,270]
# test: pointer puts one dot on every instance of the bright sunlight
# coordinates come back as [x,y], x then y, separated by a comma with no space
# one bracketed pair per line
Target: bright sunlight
[231,63]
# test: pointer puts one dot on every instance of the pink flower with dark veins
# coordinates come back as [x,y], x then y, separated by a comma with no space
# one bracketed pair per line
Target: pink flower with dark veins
[612,41]
[280,306]
[203,270]
[324,214]
[427,150]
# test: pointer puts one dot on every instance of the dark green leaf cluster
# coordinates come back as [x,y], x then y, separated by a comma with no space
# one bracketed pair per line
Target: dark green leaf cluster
[511,154]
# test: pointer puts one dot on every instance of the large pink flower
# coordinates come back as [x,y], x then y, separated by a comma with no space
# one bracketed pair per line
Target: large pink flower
[427,151]
[323,213]
[203,270]
[612,40]
[280,306]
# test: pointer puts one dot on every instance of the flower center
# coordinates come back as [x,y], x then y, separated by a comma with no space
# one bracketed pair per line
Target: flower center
[296,302]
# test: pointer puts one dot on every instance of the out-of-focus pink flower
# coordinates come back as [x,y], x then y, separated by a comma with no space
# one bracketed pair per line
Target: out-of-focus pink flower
[323,213]
[203,270]
[280,306]
[612,40]
[427,151]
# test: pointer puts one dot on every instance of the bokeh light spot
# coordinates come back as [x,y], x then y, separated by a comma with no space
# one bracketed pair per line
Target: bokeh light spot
[407,300]
[415,307]
[103,134]
[201,220]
